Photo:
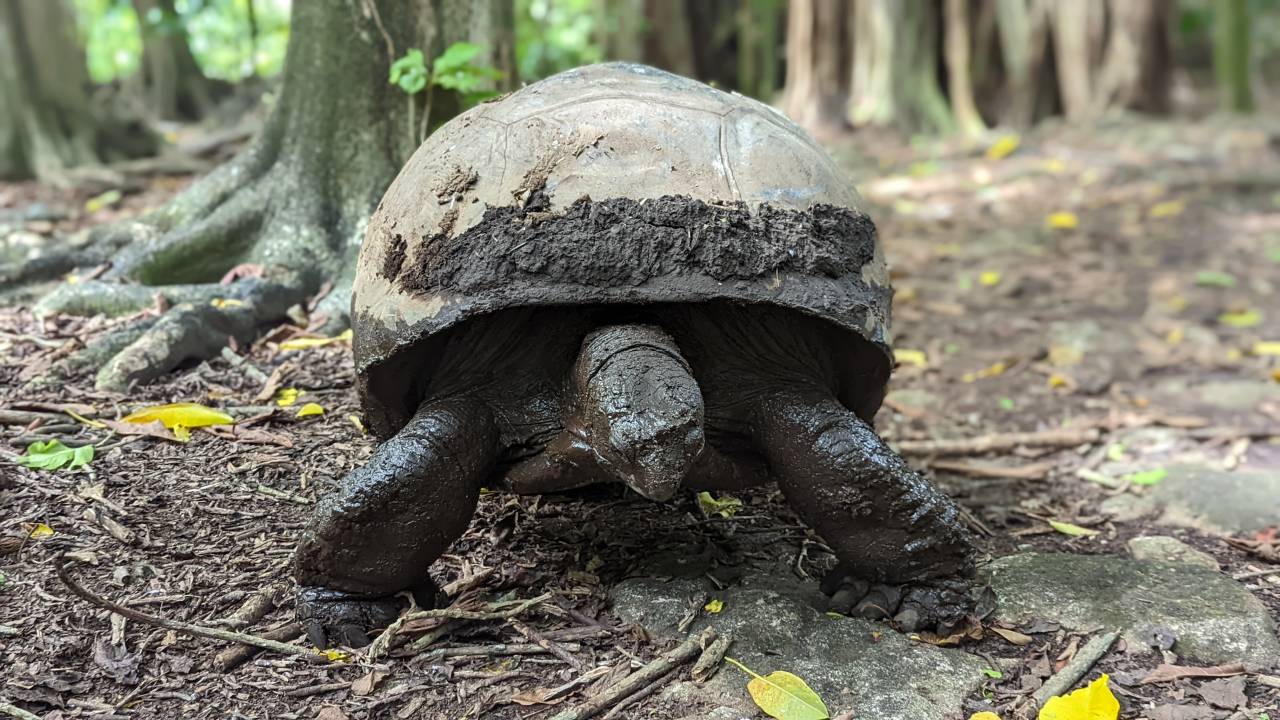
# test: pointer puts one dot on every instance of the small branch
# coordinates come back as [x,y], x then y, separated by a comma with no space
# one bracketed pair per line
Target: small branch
[1071,673]
[641,679]
[383,641]
[237,655]
[183,627]
[996,443]
[549,646]
[17,712]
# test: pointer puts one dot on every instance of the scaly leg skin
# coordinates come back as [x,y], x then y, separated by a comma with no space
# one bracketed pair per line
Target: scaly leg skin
[902,549]
[378,535]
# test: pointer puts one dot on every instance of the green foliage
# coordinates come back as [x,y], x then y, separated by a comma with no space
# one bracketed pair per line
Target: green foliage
[452,70]
[410,72]
[555,35]
[53,455]
[109,31]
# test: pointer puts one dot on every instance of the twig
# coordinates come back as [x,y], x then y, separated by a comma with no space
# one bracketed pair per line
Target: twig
[710,659]
[11,711]
[548,645]
[640,694]
[1071,673]
[488,650]
[183,627]
[1256,574]
[383,641]
[1034,471]
[642,678]
[237,655]
[1063,437]
[310,690]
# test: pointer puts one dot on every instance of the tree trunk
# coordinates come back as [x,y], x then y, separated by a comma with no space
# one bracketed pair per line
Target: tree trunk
[292,206]
[959,82]
[1231,55]
[619,29]
[173,84]
[668,40]
[46,125]
[1137,71]
[758,42]
[817,79]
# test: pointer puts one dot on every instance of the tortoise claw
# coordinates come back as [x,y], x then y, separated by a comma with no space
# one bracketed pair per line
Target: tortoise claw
[935,605]
[332,618]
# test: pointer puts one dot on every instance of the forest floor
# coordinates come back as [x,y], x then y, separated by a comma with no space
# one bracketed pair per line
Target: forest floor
[1115,292]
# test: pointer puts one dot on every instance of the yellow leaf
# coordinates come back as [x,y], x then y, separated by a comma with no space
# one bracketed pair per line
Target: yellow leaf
[310,409]
[1266,348]
[1170,208]
[1065,355]
[40,532]
[1175,336]
[1067,528]
[1275,375]
[1062,221]
[1003,147]
[984,715]
[1094,702]
[181,433]
[72,278]
[334,655]
[724,506]
[910,357]
[304,343]
[224,303]
[782,695]
[1057,381]
[714,606]
[286,396]
[986,372]
[1240,318]
[355,420]
[189,415]
[989,278]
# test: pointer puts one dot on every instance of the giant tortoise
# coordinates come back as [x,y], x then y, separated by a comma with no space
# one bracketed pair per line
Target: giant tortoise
[619,274]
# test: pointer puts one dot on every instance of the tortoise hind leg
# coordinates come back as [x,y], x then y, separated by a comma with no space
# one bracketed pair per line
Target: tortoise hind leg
[391,518]
[887,525]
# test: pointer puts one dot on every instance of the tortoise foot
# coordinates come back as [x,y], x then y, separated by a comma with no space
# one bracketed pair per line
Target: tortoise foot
[332,617]
[939,605]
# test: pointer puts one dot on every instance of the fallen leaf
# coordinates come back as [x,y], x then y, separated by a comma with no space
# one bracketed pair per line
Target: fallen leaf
[331,712]
[40,532]
[984,715]
[155,429]
[1062,221]
[1240,318]
[992,673]
[1266,348]
[105,200]
[714,606]
[910,357]
[1168,673]
[334,655]
[989,278]
[355,420]
[367,683]
[226,303]
[1094,702]
[535,696]
[1167,209]
[304,343]
[725,506]
[1013,636]
[188,415]
[1003,147]
[783,696]
[1057,380]
[182,433]
[1067,528]
[53,455]
[1226,693]
[990,371]
[286,396]
[310,409]
[118,662]
[1214,278]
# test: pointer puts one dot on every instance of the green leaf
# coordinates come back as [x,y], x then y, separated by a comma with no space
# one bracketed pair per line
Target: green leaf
[724,506]
[1240,318]
[1006,403]
[412,61]
[1273,253]
[995,674]
[53,455]
[1067,528]
[455,57]
[1213,278]
[1147,477]
[783,696]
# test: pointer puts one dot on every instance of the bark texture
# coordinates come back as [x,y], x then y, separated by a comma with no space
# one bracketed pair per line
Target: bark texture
[817,81]
[173,85]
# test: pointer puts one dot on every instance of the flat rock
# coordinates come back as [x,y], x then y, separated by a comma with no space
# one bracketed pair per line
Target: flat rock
[1213,617]
[776,625]
[1169,549]
[1208,499]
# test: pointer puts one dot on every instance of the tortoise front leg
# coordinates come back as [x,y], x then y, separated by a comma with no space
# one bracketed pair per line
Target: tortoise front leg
[391,518]
[886,524]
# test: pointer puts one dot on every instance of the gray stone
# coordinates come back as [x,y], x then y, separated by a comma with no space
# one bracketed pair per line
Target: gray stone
[1206,498]
[1213,617]
[776,625]
[1169,549]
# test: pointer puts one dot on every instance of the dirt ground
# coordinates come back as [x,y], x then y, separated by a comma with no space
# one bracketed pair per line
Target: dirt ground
[1107,279]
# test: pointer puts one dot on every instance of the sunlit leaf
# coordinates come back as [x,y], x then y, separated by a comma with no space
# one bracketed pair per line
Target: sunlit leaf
[1059,381]
[40,532]
[355,420]
[1266,347]
[1148,477]
[1240,318]
[188,415]
[1167,209]
[1067,528]
[53,455]
[1062,221]
[286,396]
[1013,636]
[714,606]
[306,343]
[1215,278]
[225,303]
[910,357]
[989,278]
[1094,702]
[1175,336]
[984,715]
[105,200]
[782,695]
[1003,147]
[334,655]
[724,506]
[986,372]
[310,409]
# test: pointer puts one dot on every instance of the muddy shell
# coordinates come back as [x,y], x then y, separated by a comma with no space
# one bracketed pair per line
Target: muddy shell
[611,184]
